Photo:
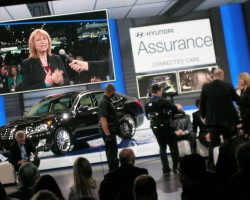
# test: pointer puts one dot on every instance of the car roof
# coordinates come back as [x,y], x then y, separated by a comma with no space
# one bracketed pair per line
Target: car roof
[69,94]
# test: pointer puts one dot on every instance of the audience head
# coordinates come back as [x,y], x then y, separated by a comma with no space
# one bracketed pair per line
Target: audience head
[243,157]
[219,74]
[145,188]
[28,174]
[4,70]
[127,156]
[20,137]
[47,182]
[45,195]
[38,34]
[83,176]
[192,168]
[244,80]
[13,70]
[228,131]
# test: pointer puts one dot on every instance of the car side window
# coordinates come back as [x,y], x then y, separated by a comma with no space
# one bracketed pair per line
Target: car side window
[98,96]
[116,98]
[85,101]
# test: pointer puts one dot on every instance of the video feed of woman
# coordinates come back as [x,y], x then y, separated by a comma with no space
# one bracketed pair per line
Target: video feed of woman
[167,80]
[58,51]
[192,80]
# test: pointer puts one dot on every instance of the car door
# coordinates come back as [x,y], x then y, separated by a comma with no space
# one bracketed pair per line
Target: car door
[85,120]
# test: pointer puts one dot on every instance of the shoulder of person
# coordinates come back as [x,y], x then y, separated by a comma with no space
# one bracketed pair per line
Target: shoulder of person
[28,60]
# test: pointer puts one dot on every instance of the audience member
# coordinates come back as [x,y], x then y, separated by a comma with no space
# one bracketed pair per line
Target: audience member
[184,130]
[45,195]
[84,184]
[199,122]
[4,80]
[241,180]
[14,78]
[47,182]
[196,182]
[244,103]
[27,175]
[118,183]
[216,106]
[22,151]
[226,164]
[145,188]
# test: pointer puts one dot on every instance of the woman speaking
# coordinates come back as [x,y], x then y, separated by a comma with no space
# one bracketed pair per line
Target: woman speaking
[42,69]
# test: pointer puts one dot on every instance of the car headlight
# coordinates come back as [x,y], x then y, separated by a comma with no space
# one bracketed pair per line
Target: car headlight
[40,128]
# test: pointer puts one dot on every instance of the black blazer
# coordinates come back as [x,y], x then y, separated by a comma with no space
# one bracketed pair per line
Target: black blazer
[197,122]
[216,102]
[119,182]
[244,103]
[15,152]
[34,74]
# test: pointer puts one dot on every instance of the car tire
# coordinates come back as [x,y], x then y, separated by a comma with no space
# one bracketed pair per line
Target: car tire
[62,141]
[127,127]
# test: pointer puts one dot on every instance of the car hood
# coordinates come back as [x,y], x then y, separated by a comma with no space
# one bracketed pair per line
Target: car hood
[30,120]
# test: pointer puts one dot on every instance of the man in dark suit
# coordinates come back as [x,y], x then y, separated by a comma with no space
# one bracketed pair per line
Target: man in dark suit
[21,151]
[184,130]
[216,106]
[118,183]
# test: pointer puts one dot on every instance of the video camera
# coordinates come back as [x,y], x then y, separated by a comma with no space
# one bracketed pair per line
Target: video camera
[166,94]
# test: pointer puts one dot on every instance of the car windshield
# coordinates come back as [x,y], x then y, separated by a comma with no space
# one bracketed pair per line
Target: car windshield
[50,106]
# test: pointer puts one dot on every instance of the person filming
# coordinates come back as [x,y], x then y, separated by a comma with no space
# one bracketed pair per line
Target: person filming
[158,111]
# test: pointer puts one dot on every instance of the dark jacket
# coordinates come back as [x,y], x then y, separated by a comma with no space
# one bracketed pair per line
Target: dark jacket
[15,152]
[34,74]
[216,102]
[227,164]
[118,183]
[164,109]
[244,103]
[23,193]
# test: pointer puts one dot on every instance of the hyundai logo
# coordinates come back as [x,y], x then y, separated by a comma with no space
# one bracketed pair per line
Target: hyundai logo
[139,34]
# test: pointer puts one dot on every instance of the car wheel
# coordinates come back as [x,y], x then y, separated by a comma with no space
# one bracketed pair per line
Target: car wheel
[127,127]
[62,141]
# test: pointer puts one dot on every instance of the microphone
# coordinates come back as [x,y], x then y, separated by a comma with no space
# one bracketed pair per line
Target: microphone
[63,53]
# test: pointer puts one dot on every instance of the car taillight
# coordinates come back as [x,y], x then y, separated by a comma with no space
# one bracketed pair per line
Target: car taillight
[138,102]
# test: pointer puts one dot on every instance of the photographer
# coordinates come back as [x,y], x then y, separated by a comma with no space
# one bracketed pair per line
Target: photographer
[159,111]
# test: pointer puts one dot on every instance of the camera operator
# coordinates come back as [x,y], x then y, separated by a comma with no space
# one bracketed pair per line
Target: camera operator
[159,111]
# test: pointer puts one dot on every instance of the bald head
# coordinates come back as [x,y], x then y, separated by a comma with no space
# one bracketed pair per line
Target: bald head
[127,156]
[109,90]
[219,74]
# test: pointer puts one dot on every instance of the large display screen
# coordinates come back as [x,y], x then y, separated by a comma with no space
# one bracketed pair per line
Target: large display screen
[167,80]
[171,46]
[82,36]
[192,80]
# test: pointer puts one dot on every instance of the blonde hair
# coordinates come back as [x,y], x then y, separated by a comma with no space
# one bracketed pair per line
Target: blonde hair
[32,50]
[245,77]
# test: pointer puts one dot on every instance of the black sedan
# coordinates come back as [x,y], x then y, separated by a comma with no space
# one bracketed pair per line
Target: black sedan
[62,122]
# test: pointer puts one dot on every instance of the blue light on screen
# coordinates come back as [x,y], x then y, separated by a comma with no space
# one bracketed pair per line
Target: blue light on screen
[119,83]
